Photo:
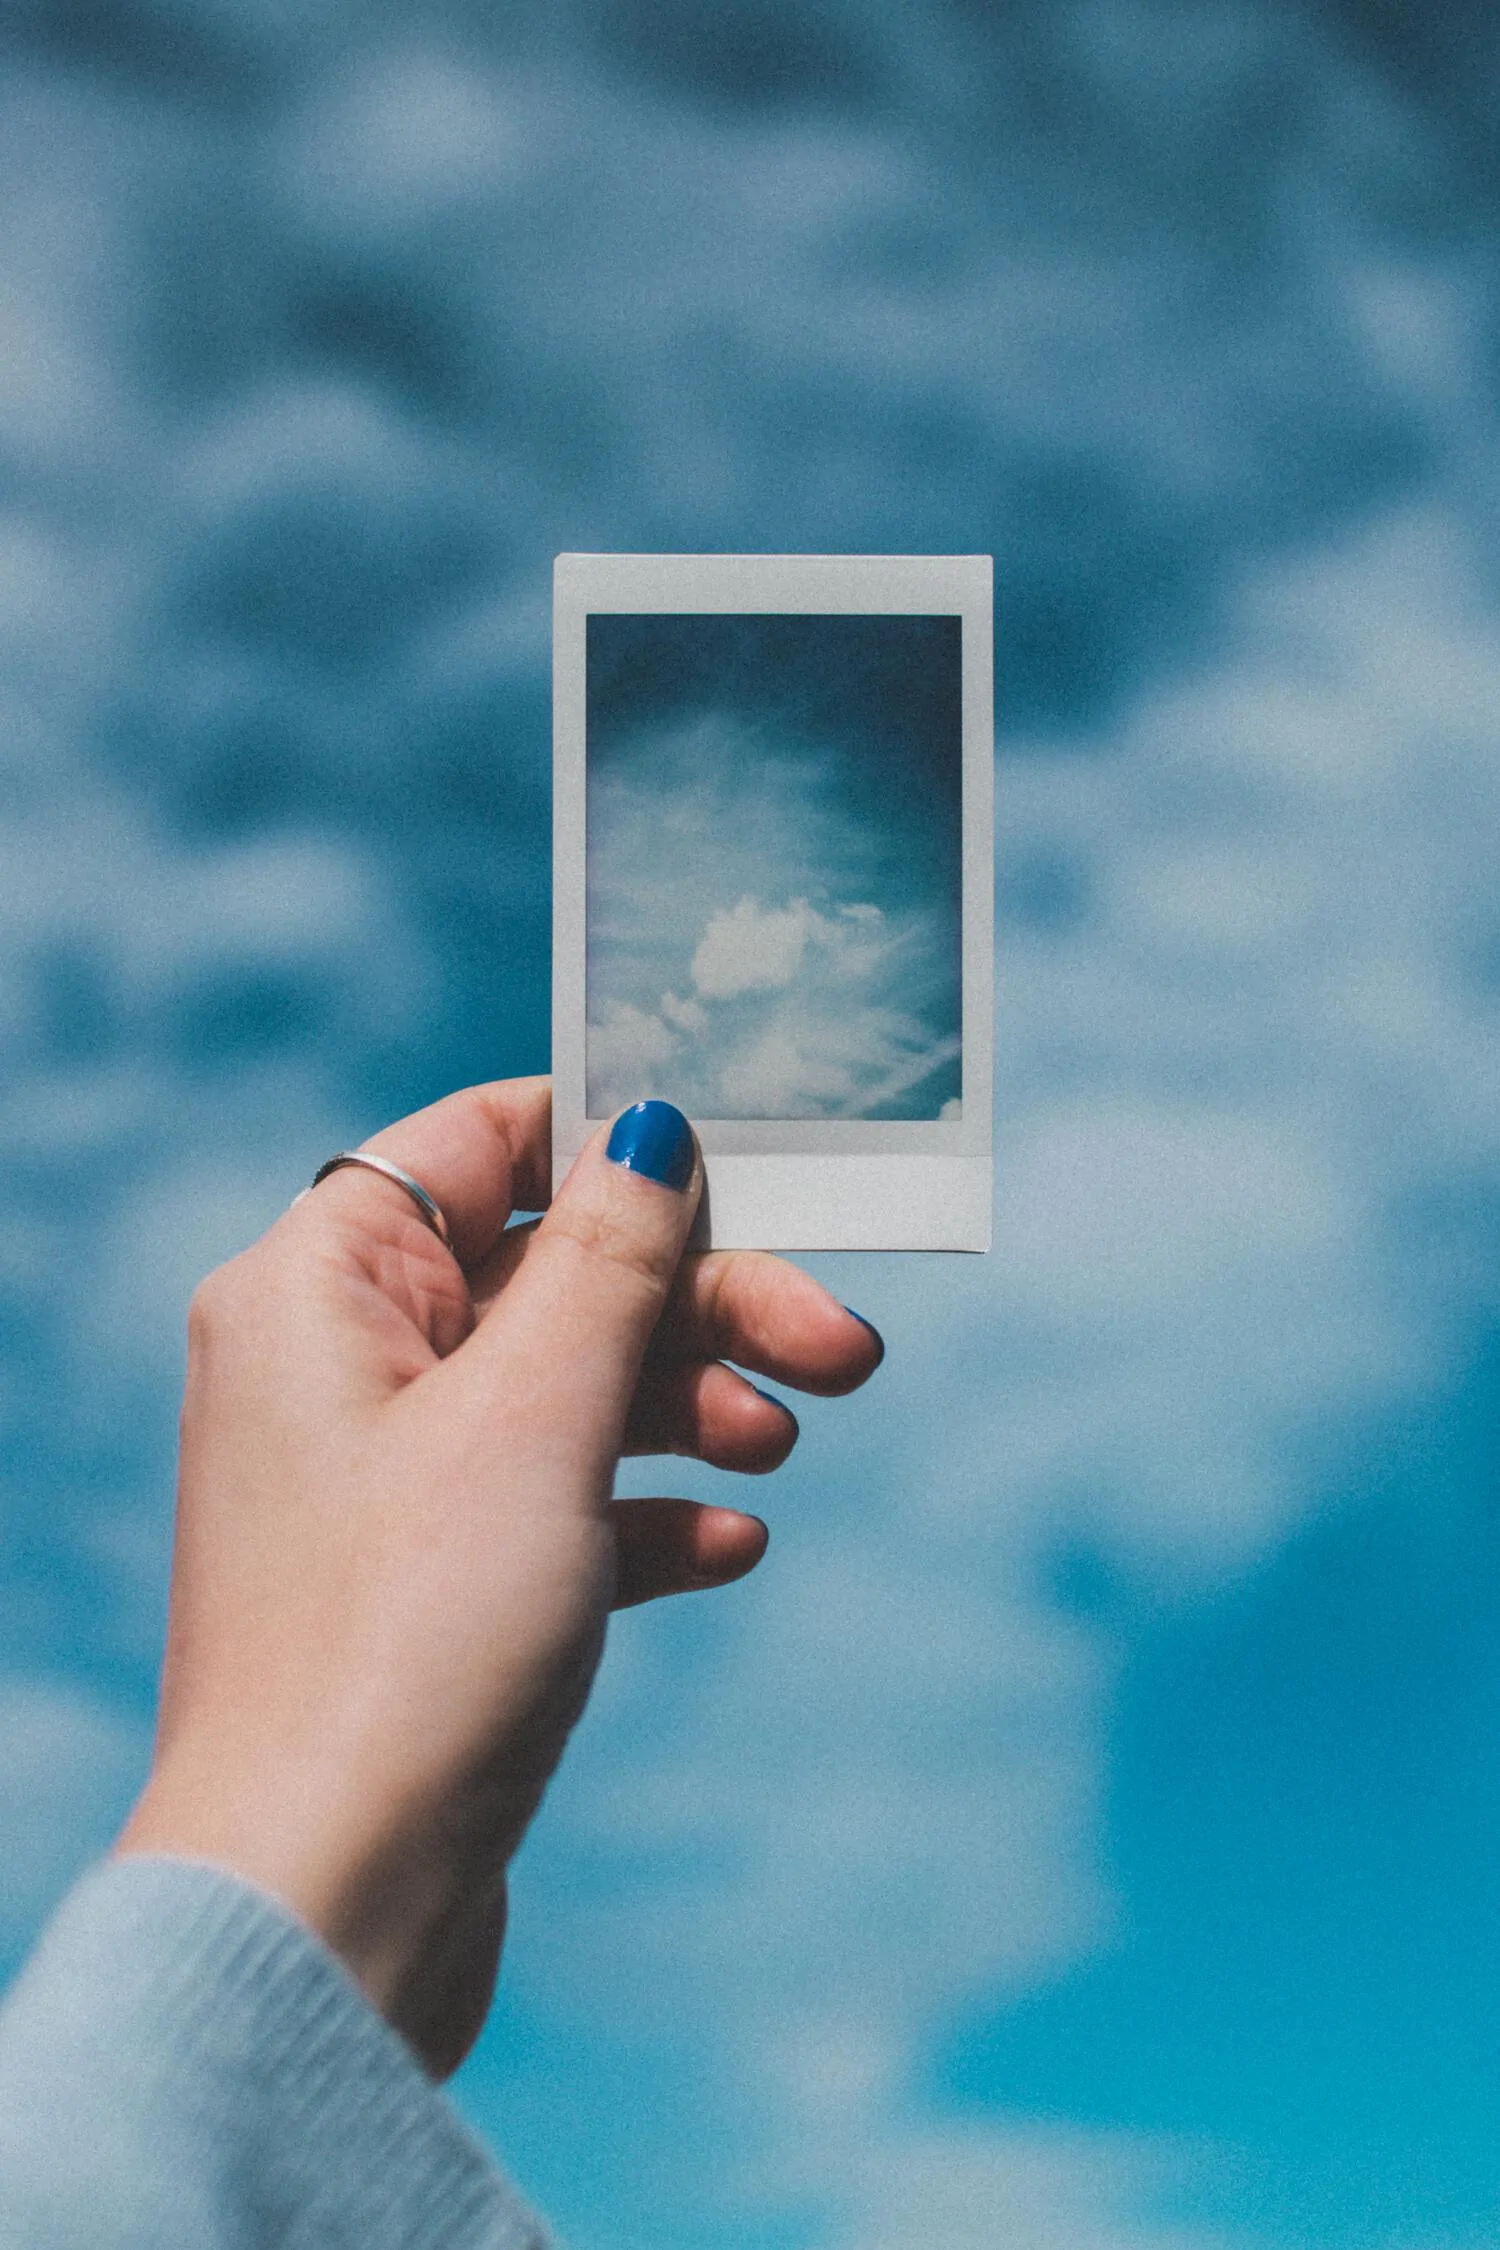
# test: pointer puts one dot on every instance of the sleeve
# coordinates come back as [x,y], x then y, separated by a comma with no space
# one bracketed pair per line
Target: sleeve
[183,2066]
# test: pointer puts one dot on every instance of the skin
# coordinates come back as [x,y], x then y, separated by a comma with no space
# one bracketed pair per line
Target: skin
[397,1543]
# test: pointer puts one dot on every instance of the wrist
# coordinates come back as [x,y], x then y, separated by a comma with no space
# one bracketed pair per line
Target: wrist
[286,1841]
[416,1922]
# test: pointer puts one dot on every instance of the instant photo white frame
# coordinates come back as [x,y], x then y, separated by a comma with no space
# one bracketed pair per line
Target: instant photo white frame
[795,1184]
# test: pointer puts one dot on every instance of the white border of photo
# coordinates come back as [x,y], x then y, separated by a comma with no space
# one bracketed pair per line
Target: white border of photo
[795,1184]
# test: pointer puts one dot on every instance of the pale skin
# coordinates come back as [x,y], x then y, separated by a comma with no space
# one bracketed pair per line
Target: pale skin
[397,1542]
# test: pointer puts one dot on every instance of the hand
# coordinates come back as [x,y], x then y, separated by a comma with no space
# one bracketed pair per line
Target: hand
[397,1543]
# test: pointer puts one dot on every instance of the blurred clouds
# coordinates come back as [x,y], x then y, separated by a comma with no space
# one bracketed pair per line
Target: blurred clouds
[324,328]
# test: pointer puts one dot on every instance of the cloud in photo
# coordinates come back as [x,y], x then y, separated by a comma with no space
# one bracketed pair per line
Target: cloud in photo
[775,902]
[752,948]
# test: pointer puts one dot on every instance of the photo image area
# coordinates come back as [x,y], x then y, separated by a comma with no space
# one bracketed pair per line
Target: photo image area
[774,864]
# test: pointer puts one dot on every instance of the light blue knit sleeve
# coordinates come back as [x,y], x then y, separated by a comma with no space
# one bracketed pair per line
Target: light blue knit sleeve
[184,2067]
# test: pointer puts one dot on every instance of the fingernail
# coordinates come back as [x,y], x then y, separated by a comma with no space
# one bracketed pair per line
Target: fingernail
[874,1331]
[772,1400]
[656,1140]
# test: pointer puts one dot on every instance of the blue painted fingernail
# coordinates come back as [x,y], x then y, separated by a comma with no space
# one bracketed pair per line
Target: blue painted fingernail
[772,1400]
[874,1331]
[655,1139]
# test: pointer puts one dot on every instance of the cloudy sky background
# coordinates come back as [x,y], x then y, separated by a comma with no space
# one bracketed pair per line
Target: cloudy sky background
[775,889]
[1081,1834]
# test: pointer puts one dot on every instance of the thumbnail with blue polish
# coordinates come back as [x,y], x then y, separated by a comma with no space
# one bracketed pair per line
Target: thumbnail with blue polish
[655,1139]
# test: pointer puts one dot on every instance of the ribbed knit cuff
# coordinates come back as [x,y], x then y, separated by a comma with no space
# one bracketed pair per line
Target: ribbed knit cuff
[182,2062]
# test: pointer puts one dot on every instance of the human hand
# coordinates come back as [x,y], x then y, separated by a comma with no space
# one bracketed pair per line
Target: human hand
[396,1539]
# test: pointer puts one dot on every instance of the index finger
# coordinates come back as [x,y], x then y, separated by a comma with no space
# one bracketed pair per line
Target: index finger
[480,1154]
[768,1315]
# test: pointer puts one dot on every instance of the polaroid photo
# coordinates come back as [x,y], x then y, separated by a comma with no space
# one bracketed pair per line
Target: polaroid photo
[773,883]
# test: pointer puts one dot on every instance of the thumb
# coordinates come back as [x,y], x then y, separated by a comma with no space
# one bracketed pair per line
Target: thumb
[568,1332]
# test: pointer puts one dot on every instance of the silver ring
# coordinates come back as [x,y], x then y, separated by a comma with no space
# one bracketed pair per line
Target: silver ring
[430,1209]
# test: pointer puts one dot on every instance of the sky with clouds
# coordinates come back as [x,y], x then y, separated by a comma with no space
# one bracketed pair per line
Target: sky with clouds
[1079,1835]
[774,847]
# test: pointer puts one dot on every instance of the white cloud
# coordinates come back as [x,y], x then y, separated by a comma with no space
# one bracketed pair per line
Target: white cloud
[792,1016]
[808,1048]
[626,1046]
[408,135]
[783,1075]
[1029,2188]
[683,1015]
[84,870]
[751,948]
[813,1060]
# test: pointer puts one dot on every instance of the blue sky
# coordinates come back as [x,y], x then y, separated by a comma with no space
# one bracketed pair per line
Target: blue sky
[1078,1834]
[774,838]
[1303,1800]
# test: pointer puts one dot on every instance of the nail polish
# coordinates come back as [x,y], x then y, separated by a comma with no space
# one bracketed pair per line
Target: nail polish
[772,1400]
[654,1139]
[874,1331]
